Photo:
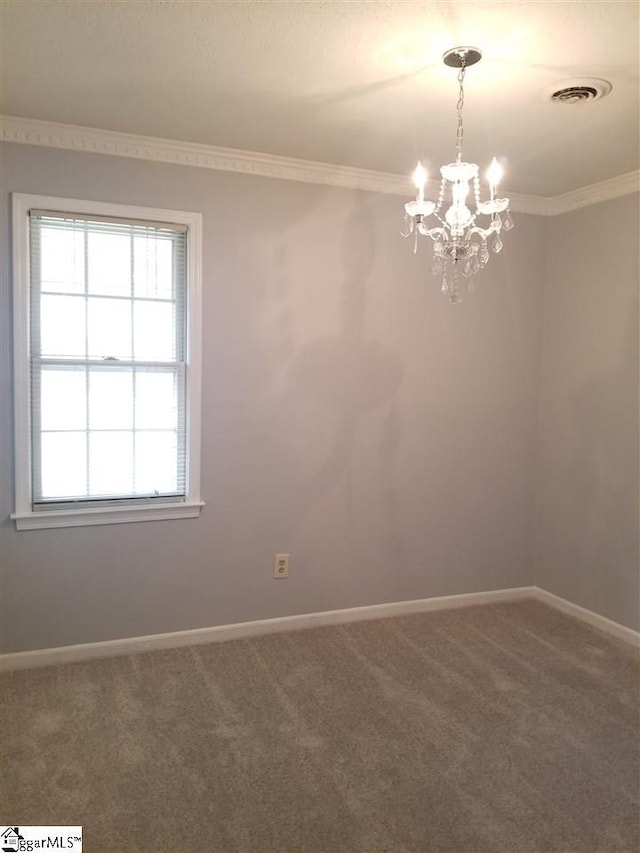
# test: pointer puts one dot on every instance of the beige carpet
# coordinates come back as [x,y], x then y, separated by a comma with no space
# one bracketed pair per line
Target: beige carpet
[491,729]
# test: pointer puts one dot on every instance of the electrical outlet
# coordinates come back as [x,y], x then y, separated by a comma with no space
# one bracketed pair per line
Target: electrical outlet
[281,566]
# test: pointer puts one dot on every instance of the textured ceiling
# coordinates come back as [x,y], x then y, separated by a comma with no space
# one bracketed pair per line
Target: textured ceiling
[351,83]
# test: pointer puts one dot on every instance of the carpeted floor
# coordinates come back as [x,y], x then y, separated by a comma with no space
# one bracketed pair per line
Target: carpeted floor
[491,729]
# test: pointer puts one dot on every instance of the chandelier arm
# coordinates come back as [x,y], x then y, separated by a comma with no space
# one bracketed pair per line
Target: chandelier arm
[483,232]
[434,233]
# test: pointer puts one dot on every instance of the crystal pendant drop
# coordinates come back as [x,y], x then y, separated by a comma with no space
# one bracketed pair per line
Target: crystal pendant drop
[407,226]
[436,266]
[445,285]
[484,254]
[508,222]
[497,244]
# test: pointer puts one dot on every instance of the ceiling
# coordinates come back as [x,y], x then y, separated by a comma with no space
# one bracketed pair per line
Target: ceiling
[351,83]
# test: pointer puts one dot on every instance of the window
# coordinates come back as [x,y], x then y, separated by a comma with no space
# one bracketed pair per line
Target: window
[107,362]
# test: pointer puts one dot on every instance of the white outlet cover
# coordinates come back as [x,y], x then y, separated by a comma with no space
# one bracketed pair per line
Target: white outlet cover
[281,566]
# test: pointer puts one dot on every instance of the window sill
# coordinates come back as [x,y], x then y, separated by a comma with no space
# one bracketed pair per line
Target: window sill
[105,515]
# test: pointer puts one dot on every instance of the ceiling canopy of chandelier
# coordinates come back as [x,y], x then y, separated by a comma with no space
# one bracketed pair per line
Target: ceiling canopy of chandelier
[459,244]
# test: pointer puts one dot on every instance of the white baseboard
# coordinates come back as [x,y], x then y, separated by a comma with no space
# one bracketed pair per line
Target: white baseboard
[615,629]
[241,630]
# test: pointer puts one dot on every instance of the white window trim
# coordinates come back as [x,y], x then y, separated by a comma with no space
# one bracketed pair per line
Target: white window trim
[24,516]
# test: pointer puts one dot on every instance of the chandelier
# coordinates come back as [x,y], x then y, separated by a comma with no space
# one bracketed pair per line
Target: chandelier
[460,246]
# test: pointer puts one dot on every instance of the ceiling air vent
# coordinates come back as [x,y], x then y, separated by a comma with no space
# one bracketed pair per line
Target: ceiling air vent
[574,93]
[579,91]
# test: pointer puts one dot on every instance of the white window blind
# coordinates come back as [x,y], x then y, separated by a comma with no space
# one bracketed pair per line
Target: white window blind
[108,355]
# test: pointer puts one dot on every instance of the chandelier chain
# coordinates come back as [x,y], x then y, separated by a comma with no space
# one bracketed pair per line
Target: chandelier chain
[459,106]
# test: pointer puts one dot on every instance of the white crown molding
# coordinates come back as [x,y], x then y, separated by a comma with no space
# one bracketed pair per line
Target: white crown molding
[96,141]
[595,193]
[54,135]
[243,630]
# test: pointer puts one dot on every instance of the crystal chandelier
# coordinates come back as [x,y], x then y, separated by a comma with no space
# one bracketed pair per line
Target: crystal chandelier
[459,244]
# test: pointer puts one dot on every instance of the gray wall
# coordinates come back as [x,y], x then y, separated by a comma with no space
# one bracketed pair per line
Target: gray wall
[588,517]
[352,417]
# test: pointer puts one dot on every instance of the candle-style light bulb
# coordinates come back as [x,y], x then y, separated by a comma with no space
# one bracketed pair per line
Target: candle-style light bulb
[420,179]
[494,175]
